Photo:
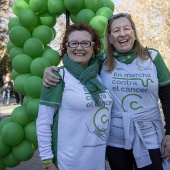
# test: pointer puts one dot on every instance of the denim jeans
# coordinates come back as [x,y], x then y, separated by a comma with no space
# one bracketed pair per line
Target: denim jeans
[6,92]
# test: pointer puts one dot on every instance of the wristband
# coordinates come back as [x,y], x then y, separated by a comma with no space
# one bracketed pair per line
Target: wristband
[47,167]
[47,161]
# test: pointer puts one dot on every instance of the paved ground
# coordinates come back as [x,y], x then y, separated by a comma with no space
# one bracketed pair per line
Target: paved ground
[34,163]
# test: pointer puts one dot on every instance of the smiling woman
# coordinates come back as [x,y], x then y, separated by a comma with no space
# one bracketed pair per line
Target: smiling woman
[133,74]
[122,35]
[85,102]
[80,51]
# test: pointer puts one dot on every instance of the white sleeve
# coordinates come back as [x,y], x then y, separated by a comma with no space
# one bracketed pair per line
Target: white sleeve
[44,122]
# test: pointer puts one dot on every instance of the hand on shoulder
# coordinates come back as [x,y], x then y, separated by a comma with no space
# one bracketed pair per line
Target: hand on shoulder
[50,79]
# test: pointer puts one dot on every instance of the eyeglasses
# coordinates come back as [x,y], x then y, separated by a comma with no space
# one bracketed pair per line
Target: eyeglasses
[84,44]
[119,15]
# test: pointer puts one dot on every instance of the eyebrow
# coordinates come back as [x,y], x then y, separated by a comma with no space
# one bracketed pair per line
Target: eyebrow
[123,27]
[73,40]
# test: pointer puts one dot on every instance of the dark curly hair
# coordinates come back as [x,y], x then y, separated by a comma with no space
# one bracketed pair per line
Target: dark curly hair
[97,47]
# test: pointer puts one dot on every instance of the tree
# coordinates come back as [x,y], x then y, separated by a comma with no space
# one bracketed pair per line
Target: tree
[5,15]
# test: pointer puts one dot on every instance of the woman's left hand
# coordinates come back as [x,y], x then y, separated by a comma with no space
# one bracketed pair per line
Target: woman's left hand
[166,147]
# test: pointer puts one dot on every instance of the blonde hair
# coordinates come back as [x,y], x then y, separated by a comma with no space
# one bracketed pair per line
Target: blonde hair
[138,47]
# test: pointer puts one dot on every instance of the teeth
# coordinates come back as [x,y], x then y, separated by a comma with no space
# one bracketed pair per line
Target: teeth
[79,54]
[122,41]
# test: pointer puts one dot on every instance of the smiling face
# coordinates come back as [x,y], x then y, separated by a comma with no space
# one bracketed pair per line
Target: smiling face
[79,54]
[122,36]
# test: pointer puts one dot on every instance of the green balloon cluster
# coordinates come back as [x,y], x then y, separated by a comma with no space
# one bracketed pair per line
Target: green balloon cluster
[30,33]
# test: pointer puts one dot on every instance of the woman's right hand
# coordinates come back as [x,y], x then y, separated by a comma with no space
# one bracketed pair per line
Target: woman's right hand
[50,79]
[51,166]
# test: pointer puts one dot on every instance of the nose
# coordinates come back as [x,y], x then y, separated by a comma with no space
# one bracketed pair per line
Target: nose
[122,32]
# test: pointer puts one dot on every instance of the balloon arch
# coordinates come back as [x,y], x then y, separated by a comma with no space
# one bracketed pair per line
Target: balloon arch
[30,33]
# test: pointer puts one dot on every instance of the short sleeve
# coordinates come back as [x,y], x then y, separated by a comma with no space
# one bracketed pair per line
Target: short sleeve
[163,73]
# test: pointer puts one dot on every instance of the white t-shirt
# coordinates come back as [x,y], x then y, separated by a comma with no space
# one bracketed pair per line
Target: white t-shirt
[136,119]
[83,128]
[134,87]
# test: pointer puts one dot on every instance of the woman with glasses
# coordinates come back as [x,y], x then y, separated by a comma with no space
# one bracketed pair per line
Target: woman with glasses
[77,109]
[137,78]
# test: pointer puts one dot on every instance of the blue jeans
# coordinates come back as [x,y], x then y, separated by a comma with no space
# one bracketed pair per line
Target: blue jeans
[6,92]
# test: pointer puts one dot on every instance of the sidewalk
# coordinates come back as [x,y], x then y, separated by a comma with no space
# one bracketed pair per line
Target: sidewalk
[34,163]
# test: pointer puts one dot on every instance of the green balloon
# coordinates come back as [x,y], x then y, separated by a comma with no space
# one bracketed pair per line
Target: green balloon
[33,86]
[10,160]
[21,63]
[38,65]
[105,11]
[14,74]
[109,4]
[19,83]
[35,145]
[32,107]
[39,6]
[74,6]
[47,19]
[2,165]
[27,1]
[26,100]
[18,35]
[30,132]
[4,121]
[33,47]
[47,47]
[5,149]
[23,151]
[54,32]
[73,17]
[94,5]
[99,23]
[52,56]
[28,18]
[20,116]
[44,33]
[10,45]
[56,8]
[13,22]
[12,134]
[15,51]
[18,6]
[85,15]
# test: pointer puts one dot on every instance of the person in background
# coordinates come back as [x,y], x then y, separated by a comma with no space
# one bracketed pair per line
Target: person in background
[137,78]
[6,89]
[17,97]
[83,114]
[1,80]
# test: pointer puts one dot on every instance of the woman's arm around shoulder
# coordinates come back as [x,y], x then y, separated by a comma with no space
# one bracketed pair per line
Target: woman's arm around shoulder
[50,79]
